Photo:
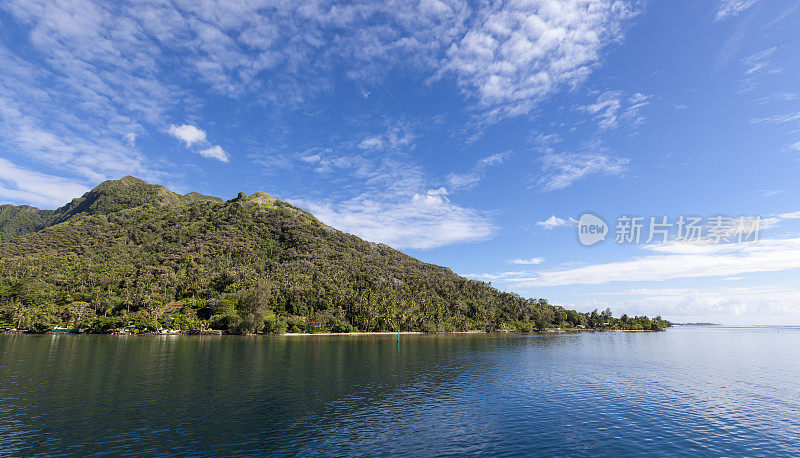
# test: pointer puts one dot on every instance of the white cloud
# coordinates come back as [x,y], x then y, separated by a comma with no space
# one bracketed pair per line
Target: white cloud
[188,134]
[758,65]
[561,170]
[91,73]
[769,222]
[311,158]
[544,142]
[778,119]
[730,8]
[87,154]
[398,135]
[554,222]
[215,152]
[771,192]
[24,186]
[193,136]
[528,261]
[605,109]
[677,260]
[130,137]
[783,96]
[463,180]
[71,99]
[89,144]
[518,52]
[635,103]
[388,200]
[758,62]
[328,161]
[611,108]
[373,142]
[502,276]
[474,176]
[421,221]
[492,160]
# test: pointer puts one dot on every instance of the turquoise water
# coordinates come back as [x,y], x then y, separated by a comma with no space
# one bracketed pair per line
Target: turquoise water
[709,391]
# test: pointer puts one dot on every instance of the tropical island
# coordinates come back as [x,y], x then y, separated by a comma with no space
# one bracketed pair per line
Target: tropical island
[135,256]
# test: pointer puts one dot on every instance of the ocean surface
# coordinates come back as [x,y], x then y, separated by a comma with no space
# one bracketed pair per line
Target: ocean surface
[708,391]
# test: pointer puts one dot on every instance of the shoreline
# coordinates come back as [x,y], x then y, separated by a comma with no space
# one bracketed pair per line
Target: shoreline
[212,332]
[548,331]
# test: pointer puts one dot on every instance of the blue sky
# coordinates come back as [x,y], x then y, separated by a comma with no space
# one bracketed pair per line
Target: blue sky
[467,134]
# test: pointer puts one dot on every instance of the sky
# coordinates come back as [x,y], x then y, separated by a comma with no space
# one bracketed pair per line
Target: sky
[472,135]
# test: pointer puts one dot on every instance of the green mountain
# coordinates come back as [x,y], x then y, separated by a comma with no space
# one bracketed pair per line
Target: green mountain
[108,197]
[18,220]
[133,253]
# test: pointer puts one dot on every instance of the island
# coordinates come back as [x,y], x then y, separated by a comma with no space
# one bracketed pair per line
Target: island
[134,257]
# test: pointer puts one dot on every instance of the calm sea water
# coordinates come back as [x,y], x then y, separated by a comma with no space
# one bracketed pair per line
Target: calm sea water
[709,391]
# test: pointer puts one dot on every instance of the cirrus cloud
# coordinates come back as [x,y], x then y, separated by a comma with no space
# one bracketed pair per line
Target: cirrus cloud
[527,261]
[20,184]
[562,170]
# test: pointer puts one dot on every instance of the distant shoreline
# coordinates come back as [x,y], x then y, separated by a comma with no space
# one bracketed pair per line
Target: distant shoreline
[696,324]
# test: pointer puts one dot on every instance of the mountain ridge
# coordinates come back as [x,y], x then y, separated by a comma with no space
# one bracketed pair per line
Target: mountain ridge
[133,253]
[107,197]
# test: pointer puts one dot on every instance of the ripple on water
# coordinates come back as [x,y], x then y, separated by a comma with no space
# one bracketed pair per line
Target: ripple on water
[724,391]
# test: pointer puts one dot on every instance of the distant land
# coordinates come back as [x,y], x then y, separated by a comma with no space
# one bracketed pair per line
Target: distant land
[134,256]
[696,324]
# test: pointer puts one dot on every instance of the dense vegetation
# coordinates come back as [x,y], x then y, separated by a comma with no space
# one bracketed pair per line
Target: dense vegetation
[131,253]
[15,220]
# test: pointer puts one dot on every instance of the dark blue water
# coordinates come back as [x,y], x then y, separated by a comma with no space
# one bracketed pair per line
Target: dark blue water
[687,391]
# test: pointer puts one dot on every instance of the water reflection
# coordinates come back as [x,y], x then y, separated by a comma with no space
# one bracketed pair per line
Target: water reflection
[718,391]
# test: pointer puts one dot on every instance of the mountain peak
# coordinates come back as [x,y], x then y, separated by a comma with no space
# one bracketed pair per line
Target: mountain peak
[260,198]
[123,183]
[115,195]
[127,179]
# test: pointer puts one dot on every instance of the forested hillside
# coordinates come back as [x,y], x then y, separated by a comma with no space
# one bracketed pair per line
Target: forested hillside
[132,253]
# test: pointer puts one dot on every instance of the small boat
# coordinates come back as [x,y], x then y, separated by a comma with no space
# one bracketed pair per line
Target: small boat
[61,330]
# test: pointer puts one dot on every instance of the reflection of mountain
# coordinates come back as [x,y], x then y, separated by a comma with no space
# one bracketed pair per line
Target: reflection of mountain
[281,392]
